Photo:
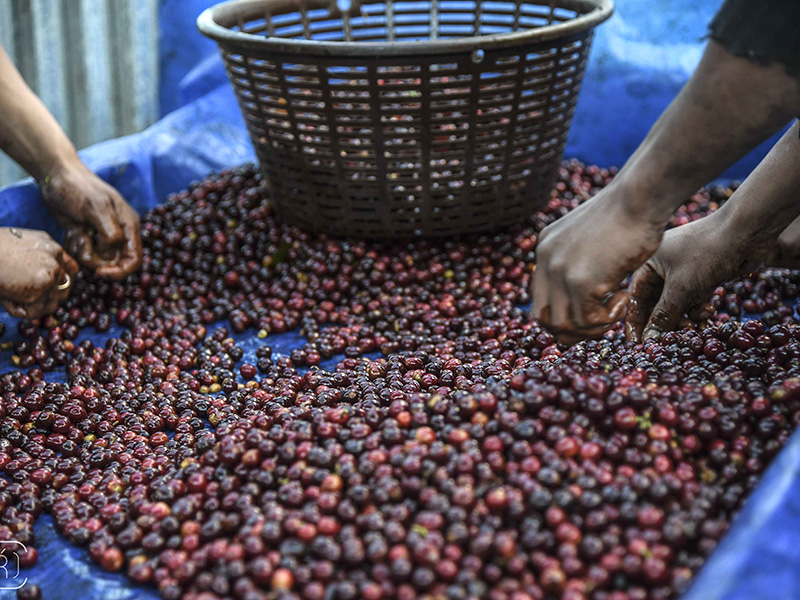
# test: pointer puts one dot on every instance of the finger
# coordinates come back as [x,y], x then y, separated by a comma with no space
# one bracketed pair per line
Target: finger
[33,310]
[131,257]
[617,306]
[599,309]
[42,307]
[539,293]
[79,244]
[645,290]
[559,304]
[14,309]
[67,263]
[62,295]
[105,218]
[63,288]
[701,312]
[667,313]
[52,304]
[579,305]
[50,295]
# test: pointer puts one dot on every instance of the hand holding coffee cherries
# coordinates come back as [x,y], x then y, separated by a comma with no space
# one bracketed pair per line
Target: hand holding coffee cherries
[102,230]
[579,266]
[102,233]
[691,261]
[36,272]
[750,230]
[729,105]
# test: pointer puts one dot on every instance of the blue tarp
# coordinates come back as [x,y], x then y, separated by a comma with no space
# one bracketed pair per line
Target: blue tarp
[64,571]
[760,556]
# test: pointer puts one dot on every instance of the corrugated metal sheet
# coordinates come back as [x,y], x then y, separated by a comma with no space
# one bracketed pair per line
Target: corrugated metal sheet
[94,63]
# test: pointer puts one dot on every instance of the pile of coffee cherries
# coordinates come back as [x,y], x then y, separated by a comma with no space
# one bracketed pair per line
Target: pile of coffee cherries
[454,452]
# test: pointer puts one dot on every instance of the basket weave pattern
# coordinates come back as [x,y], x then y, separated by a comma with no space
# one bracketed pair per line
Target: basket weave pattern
[400,146]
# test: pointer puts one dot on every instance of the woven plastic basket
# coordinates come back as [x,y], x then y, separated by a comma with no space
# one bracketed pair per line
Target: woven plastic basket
[406,118]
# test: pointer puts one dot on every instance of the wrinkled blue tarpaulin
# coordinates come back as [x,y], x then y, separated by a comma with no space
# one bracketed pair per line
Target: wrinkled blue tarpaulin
[760,557]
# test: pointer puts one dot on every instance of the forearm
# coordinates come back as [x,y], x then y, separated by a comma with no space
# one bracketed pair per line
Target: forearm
[728,107]
[769,199]
[28,132]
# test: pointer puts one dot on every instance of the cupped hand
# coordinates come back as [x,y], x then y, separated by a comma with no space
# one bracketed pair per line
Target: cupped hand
[36,272]
[581,260]
[692,260]
[102,230]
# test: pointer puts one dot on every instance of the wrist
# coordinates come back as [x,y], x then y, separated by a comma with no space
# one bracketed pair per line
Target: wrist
[641,202]
[744,238]
[57,166]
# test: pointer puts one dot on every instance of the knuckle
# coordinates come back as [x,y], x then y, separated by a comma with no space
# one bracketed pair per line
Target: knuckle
[575,279]
[42,281]
[101,204]
[661,316]
[571,278]
[557,266]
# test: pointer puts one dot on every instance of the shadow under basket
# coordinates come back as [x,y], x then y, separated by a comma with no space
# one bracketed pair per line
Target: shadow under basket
[406,119]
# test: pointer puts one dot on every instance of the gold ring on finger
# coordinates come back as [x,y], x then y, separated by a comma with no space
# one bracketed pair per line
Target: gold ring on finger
[65,285]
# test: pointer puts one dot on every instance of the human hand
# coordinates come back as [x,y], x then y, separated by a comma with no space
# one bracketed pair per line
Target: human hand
[786,253]
[691,261]
[35,272]
[581,260]
[102,230]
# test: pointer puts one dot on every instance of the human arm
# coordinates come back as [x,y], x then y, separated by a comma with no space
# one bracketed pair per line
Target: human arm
[729,105]
[102,229]
[745,233]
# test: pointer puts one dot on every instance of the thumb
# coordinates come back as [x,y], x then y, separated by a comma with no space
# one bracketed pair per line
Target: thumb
[106,222]
[667,312]
[645,290]
[617,305]
[78,244]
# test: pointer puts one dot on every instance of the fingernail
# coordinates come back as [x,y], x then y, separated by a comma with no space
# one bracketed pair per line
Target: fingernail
[652,332]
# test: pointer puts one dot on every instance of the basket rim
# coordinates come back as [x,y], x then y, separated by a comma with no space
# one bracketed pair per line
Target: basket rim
[597,11]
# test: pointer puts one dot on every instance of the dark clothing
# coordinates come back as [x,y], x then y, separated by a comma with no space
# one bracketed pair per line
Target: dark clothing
[762,30]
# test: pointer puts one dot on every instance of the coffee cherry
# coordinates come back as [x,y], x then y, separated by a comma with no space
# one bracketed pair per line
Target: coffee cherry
[29,591]
[451,448]
[112,560]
